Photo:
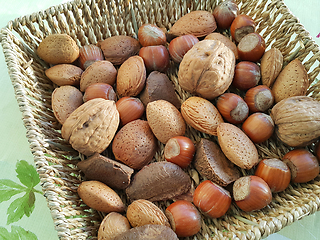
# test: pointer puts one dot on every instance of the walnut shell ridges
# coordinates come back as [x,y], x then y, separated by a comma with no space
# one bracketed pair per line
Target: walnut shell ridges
[207,69]
[92,126]
[297,120]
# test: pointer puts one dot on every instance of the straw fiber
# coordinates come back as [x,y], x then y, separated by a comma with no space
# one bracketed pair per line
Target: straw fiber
[90,21]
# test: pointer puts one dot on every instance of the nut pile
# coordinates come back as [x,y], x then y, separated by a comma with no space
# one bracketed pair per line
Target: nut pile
[116,97]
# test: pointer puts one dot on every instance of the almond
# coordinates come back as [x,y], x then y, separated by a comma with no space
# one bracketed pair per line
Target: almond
[198,23]
[64,74]
[65,100]
[292,81]
[142,212]
[165,120]
[134,144]
[58,48]
[98,72]
[112,226]
[117,49]
[201,114]
[271,65]
[100,197]
[131,77]
[237,146]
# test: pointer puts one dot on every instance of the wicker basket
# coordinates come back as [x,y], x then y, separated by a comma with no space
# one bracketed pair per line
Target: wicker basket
[93,20]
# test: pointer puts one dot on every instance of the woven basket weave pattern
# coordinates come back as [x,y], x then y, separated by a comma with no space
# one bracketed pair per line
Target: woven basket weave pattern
[91,21]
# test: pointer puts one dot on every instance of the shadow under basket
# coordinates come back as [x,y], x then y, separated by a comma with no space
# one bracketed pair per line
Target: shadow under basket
[89,21]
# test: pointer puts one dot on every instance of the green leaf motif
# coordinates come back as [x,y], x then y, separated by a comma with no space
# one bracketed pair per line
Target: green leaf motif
[21,234]
[19,207]
[24,205]
[27,174]
[17,233]
[30,206]
[4,234]
[8,189]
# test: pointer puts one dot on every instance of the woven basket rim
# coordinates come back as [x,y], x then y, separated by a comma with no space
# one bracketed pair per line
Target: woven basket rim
[38,145]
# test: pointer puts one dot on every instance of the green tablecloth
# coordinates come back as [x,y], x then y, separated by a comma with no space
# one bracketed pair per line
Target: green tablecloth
[14,146]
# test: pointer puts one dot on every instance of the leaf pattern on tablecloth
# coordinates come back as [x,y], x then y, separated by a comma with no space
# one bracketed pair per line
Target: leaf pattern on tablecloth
[24,203]
[17,232]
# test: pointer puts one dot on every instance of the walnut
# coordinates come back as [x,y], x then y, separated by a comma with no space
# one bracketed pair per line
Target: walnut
[92,126]
[297,120]
[207,69]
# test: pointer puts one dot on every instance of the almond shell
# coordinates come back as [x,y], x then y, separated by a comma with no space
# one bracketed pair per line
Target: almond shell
[237,146]
[292,81]
[198,23]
